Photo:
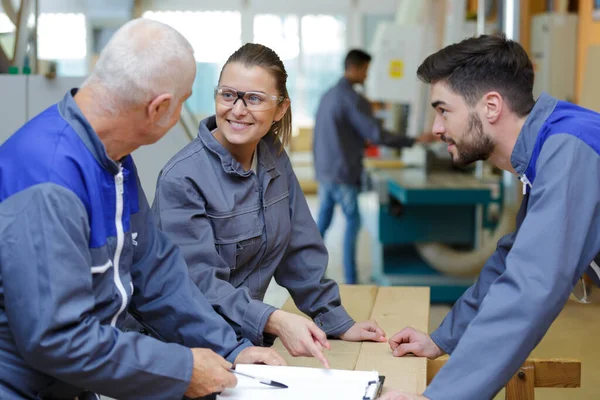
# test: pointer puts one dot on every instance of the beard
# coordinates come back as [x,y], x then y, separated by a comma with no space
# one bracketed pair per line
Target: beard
[474,145]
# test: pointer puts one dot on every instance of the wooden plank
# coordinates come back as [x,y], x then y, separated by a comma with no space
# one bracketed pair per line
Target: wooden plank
[434,366]
[557,373]
[521,386]
[343,355]
[551,372]
[382,163]
[309,186]
[357,299]
[302,140]
[406,374]
[395,308]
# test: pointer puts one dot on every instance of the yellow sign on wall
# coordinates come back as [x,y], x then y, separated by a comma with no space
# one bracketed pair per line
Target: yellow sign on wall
[396,69]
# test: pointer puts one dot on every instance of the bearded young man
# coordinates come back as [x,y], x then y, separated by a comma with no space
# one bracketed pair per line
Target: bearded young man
[481,89]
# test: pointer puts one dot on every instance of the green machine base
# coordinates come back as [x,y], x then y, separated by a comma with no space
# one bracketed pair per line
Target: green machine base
[412,207]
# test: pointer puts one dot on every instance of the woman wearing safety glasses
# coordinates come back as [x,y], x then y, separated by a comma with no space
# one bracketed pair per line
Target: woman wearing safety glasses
[231,201]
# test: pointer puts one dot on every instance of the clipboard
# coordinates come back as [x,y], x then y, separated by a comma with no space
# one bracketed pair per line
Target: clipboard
[374,388]
[305,383]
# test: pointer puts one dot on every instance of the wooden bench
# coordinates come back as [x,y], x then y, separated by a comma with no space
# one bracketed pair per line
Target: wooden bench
[540,373]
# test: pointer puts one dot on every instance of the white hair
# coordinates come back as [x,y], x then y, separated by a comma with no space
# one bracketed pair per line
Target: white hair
[142,60]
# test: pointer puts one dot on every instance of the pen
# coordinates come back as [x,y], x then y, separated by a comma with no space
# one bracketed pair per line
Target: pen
[263,381]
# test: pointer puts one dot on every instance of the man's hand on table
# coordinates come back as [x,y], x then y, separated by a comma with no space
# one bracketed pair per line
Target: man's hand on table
[209,374]
[410,340]
[299,335]
[401,396]
[366,330]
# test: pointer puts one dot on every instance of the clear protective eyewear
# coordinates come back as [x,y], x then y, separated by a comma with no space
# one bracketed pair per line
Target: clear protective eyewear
[253,101]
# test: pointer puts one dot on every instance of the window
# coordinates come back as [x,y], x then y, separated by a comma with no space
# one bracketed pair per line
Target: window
[62,38]
[281,34]
[7,35]
[214,35]
[6,26]
[323,51]
[312,47]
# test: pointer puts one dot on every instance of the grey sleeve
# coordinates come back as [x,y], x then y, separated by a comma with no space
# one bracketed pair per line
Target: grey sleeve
[181,214]
[167,300]
[555,244]
[358,111]
[45,267]
[302,270]
[465,309]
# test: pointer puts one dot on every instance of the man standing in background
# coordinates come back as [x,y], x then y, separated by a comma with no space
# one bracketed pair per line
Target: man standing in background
[343,124]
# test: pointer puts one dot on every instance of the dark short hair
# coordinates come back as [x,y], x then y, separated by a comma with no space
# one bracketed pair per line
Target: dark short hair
[356,58]
[481,64]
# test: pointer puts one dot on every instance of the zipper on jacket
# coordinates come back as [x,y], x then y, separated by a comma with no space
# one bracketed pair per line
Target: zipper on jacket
[525,182]
[120,240]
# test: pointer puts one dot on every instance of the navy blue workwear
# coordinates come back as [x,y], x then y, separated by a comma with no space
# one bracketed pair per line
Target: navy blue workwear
[80,250]
[524,285]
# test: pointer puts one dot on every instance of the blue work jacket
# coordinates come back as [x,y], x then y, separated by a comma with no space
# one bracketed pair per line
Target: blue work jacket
[80,251]
[524,285]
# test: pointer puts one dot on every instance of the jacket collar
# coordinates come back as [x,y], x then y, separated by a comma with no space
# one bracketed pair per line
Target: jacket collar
[71,113]
[523,149]
[343,82]
[230,164]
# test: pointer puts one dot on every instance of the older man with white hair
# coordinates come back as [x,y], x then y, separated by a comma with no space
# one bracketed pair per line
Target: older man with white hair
[80,252]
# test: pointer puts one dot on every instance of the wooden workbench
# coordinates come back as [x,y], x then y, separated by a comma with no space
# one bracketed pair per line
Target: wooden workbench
[393,308]
[396,307]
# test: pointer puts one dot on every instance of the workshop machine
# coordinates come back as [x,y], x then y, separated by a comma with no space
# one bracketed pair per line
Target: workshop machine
[430,224]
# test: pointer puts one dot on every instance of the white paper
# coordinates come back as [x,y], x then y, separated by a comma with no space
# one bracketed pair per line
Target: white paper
[303,384]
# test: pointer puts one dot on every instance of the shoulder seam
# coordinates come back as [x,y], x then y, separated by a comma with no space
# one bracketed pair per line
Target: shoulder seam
[178,158]
[51,169]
